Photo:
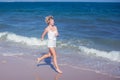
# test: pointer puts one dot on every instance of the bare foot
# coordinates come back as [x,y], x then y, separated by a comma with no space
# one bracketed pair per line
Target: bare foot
[38,60]
[59,71]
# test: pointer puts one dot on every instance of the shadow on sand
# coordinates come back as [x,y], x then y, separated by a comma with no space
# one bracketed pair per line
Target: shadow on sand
[47,62]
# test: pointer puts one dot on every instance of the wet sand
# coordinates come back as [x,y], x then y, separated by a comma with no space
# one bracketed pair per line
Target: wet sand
[22,68]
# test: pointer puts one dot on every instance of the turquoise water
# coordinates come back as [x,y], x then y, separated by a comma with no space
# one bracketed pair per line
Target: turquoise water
[89,32]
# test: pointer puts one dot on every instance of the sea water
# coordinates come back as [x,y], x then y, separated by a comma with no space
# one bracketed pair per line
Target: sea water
[89,32]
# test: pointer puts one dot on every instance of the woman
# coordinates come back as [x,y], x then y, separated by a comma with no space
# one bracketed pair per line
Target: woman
[52,32]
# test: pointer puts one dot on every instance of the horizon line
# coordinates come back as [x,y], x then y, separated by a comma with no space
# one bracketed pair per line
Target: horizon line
[63,1]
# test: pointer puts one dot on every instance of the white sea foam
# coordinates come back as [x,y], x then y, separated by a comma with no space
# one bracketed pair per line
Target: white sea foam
[112,55]
[21,39]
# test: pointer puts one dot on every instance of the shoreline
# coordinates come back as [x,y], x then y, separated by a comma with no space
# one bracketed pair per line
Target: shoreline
[19,68]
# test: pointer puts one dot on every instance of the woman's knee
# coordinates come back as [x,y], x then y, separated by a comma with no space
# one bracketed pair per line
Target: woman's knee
[54,56]
[49,55]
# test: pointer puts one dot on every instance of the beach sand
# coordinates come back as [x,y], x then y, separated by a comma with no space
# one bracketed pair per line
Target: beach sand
[23,68]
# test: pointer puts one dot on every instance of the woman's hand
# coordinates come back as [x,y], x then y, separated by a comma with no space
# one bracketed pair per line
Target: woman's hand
[43,34]
[57,35]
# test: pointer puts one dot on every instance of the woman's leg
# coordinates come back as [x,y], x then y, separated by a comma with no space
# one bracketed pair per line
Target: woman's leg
[43,57]
[53,53]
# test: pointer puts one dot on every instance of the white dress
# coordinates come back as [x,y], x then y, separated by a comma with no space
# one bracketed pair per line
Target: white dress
[51,38]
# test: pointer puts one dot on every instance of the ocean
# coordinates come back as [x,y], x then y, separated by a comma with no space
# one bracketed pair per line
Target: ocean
[89,32]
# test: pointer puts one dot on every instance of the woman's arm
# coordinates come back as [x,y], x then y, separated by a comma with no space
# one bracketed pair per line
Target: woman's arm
[57,33]
[44,33]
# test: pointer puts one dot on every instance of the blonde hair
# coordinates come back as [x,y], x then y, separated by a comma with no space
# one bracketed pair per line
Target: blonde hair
[47,19]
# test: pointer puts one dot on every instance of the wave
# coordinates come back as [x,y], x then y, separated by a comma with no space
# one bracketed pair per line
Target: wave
[112,55]
[21,39]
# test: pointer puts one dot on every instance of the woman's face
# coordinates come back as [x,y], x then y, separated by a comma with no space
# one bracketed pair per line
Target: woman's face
[52,21]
